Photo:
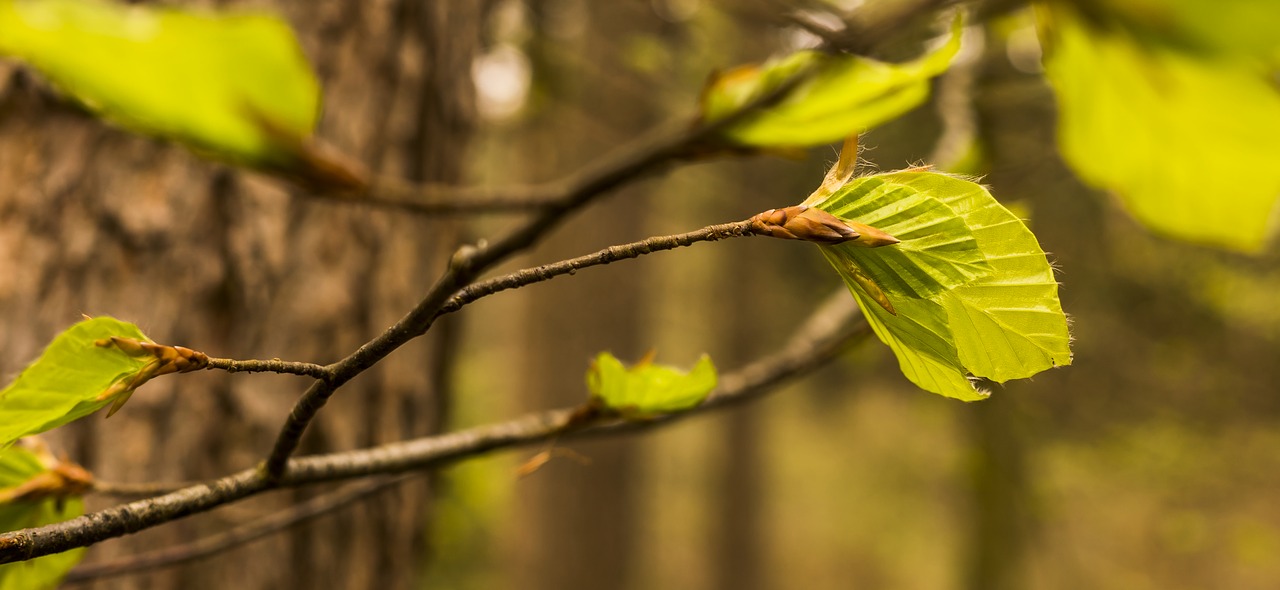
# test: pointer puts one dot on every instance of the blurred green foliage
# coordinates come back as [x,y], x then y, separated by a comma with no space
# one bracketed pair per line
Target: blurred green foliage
[232,84]
[1186,139]
[19,465]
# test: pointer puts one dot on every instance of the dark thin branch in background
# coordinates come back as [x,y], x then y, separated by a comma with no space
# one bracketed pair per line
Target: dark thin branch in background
[441,199]
[830,329]
[271,366]
[274,523]
[155,488]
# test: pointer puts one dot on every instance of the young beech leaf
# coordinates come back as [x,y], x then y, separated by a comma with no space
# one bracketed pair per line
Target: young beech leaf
[970,291]
[19,468]
[235,84]
[840,95]
[1188,141]
[645,389]
[95,363]
[936,249]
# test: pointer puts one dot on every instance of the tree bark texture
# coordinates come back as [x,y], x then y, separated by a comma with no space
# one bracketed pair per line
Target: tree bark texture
[99,221]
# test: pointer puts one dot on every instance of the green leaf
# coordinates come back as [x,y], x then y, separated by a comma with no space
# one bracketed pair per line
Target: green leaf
[840,95]
[19,465]
[236,84]
[1005,323]
[937,250]
[645,389]
[1216,28]
[73,378]
[1187,142]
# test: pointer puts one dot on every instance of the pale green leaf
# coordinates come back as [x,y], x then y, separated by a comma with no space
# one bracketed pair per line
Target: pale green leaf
[1187,142]
[18,465]
[235,84]
[841,95]
[1216,28]
[1005,323]
[69,379]
[646,389]
[937,250]
[1008,324]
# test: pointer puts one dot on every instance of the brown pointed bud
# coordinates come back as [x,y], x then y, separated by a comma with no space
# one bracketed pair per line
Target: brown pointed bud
[171,359]
[871,237]
[801,222]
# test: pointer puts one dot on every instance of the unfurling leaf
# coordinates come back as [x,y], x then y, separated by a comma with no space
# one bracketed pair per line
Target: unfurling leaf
[834,95]
[966,293]
[231,84]
[95,363]
[645,390]
[36,490]
[1186,137]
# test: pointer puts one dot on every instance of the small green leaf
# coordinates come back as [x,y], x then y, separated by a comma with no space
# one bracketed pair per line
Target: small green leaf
[645,389]
[842,95]
[1188,142]
[74,377]
[1003,323]
[19,466]
[235,84]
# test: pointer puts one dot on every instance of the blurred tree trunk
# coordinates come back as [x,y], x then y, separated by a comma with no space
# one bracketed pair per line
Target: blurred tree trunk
[579,520]
[94,220]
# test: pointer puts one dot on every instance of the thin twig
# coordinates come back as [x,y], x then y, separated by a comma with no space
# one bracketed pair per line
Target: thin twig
[608,255]
[271,366]
[240,535]
[831,328]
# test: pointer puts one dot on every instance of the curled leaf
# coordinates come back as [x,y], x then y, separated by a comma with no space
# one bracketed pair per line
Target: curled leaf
[645,389]
[38,489]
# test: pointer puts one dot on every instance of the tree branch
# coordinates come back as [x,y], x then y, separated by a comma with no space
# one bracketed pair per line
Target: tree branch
[835,325]
[240,535]
[642,157]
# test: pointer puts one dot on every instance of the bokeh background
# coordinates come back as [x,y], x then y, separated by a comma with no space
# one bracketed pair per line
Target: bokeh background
[1152,462]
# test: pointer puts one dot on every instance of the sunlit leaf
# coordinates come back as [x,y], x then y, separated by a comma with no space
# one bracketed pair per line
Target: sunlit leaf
[1217,28]
[18,466]
[841,95]
[76,375]
[1187,142]
[235,84]
[937,249]
[1002,323]
[646,389]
